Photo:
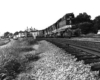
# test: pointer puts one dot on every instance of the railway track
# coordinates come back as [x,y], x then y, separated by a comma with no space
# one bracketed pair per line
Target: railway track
[88,55]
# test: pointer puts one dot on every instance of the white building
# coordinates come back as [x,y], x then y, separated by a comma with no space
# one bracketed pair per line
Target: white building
[98,32]
[22,34]
[34,33]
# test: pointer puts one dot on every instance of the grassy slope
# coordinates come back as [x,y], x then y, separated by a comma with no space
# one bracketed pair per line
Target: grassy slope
[13,57]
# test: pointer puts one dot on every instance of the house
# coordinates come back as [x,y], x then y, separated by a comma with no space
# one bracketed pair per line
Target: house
[16,35]
[98,32]
[34,33]
[22,34]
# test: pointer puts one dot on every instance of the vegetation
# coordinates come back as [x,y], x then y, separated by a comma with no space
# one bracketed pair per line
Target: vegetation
[17,63]
[14,59]
[7,34]
[16,33]
[4,41]
[86,24]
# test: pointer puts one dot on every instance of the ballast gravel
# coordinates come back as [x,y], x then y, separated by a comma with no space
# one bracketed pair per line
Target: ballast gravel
[56,64]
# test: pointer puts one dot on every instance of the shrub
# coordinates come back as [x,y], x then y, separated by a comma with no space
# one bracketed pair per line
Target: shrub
[11,63]
[10,69]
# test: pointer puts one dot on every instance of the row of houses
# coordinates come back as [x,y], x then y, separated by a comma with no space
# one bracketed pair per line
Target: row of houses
[29,32]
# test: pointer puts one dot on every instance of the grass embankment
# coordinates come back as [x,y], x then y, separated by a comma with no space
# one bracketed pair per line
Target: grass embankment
[14,58]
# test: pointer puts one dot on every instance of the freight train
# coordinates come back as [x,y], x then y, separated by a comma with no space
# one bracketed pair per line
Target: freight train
[64,27]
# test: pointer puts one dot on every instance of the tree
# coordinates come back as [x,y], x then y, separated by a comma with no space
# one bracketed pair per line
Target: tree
[95,28]
[85,27]
[16,33]
[20,31]
[96,22]
[83,17]
[6,34]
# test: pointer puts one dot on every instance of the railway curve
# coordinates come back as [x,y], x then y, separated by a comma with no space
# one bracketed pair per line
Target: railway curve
[87,54]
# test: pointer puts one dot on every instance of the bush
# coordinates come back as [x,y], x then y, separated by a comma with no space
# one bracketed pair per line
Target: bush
[10,69]
[15,66]
[85,27]
[11,62]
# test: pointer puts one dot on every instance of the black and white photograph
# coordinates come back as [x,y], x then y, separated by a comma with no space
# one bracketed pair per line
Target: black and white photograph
[49,39]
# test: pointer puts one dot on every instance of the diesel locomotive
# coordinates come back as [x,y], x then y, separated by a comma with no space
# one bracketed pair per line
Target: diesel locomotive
[62,28]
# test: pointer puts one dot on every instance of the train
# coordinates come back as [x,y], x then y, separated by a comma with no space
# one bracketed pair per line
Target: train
[64,27]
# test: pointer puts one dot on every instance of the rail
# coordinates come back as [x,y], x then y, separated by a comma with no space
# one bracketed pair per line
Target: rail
[61,41]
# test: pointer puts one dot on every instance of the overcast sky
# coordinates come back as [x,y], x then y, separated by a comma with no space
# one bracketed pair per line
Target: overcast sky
[16,15]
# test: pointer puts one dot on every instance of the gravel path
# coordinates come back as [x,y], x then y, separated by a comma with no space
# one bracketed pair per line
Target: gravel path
[56,64]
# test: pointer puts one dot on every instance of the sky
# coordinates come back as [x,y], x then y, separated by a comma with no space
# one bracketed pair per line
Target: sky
[16,15]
